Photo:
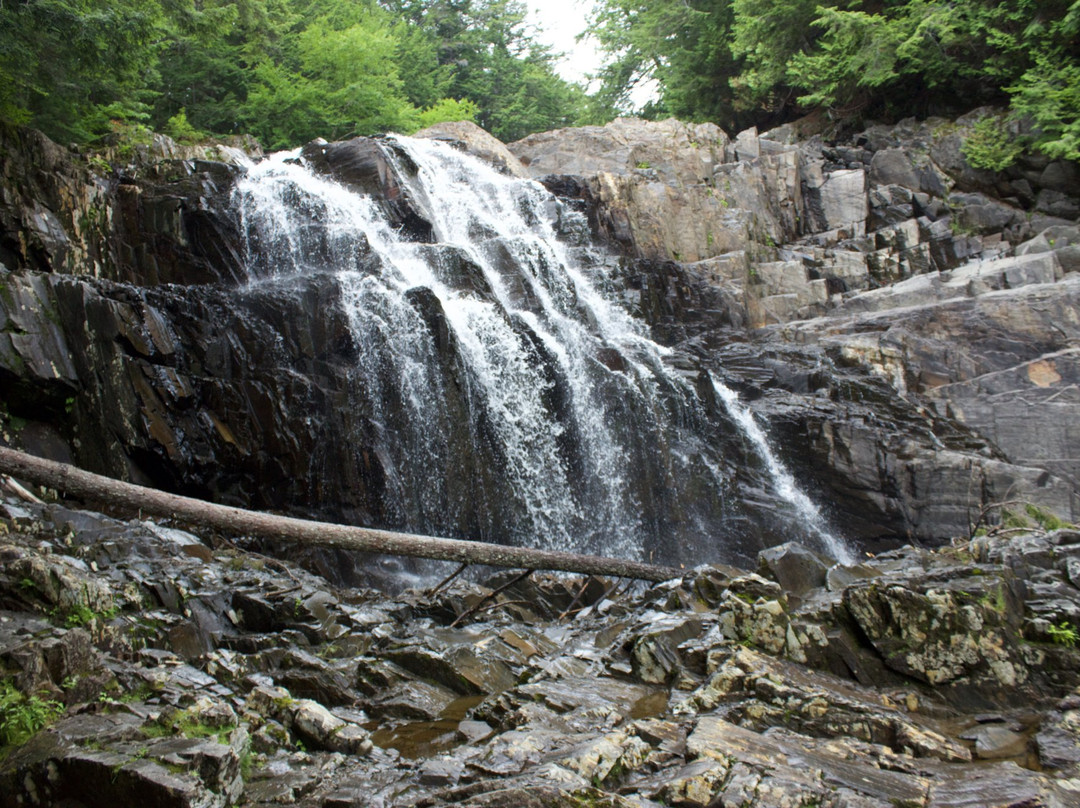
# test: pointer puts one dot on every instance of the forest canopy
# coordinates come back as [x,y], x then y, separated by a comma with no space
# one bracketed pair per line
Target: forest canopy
[763,62]
[287,71]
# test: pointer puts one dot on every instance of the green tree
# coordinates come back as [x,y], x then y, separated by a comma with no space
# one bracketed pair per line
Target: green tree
[487,54]
[1049,95]
[448,109]
[335,77]
[739,62]
[684,47]
[765,36]
[212,50]
[69,66]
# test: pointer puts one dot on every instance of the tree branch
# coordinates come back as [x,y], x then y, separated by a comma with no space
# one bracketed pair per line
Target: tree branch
[95,488]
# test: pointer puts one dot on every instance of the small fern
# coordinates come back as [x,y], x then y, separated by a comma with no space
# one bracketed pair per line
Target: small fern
[990,145]
[21,716]
[1063,634]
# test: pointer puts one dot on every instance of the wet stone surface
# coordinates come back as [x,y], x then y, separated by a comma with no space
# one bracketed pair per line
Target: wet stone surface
[723,687]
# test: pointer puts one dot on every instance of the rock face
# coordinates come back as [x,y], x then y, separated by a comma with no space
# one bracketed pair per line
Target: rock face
[129,343]
[904,324]
[886,258]
[672,190]
[469,136]
[186,675]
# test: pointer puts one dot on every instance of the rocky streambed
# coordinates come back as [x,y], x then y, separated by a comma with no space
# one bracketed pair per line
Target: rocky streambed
[176,670]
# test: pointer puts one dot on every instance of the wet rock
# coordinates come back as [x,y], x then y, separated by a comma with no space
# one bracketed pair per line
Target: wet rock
[184,773]
[994,741]
[473,731]
[655,655]
[478,143]
[436,772]
[933,636]
[608,759]
[993,784]
[1058,739]
[417,700]
[697,784]
[722,722]
[794,567]
[323,730]
[717,739]
[362,163]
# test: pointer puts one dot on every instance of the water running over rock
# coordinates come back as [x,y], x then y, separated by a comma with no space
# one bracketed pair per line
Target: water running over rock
[786,487]
[512,397]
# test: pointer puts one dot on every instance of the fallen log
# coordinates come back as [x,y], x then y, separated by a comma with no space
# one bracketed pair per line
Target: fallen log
[91,487]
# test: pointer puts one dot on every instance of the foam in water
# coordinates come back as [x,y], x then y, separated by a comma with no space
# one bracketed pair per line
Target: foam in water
[598,445]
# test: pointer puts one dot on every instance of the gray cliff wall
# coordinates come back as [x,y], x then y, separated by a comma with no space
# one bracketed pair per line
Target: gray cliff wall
[906,326]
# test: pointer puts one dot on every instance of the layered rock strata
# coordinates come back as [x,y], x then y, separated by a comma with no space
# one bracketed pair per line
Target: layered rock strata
[905,324]
[887,254]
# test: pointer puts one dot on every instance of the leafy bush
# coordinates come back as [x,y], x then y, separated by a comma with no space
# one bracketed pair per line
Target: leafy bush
[448,110]
[1063,634]
[1046,519]
[22,716]
[180,130]
[990,145]
[1049,94]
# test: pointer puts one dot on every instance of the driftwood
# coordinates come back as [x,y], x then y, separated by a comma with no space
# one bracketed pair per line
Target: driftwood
[94,488]
[491,596]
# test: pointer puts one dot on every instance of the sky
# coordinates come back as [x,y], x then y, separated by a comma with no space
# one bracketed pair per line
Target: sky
[560,21]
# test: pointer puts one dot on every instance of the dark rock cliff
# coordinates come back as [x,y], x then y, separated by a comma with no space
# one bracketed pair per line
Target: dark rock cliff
[907,326]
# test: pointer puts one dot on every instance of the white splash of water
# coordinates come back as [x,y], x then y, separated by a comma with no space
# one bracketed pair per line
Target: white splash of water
[529,324]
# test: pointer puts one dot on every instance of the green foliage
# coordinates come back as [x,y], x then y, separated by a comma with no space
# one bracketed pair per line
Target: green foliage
[184,723]
[284,70]
[1044,518]
[1011,519]
[1032,516]
[127,137]
[447,109]
[684,48]
[739,62]
[1063,634]
[81,615]
[856,52]
[180,130]
[69,66]
[1049,94]
[765,36]
[485,53]
[21,716]
[990,145]
[291,70]
[995,600]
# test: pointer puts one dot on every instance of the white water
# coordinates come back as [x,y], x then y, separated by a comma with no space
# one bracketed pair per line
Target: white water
[602,471]
[786,487]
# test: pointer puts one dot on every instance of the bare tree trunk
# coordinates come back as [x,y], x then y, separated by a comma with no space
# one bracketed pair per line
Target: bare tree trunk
[95,488]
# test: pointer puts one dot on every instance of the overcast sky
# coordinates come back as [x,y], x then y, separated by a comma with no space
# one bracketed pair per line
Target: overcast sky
[560,21]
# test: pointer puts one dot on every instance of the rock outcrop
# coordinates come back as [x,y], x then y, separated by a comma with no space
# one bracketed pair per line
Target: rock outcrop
[904,323]
[163,670]
[887,255]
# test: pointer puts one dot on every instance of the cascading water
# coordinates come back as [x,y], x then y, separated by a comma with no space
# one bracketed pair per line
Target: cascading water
[785,484]
[509,397]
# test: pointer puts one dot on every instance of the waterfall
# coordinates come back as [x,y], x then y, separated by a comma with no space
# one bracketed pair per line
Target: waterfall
[510,394]
[784,483]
